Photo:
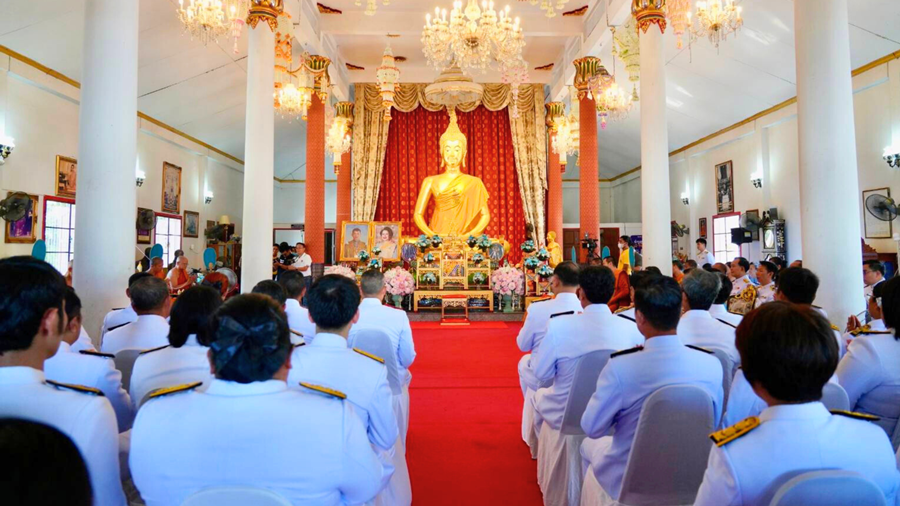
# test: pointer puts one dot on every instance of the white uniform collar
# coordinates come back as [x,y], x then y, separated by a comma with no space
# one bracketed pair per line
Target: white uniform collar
[326,340]
[718,309]
[151,318]
[667,341]
[695,314]
[192,340]
[370,301]
[293,303]
[20,375]
[770,283]
[877,325]
[64,347]
[807,411]
[601,309]
[745,277]
[566,296]
[234,389]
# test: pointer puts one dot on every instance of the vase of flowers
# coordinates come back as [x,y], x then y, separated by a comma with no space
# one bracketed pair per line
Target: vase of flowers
[436,241]
[531,263]
[363,256]
[477,258]
[374,264]
[429,278]
[471,241]
[507,281]
[484,243]
[341,271]
[376,250]
[544,272]
[423,243]
[479,278]
[543,255]
[399,283]
[528,246]
[429,258]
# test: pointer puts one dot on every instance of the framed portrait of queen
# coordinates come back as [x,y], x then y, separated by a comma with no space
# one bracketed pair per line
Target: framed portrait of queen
[386,237]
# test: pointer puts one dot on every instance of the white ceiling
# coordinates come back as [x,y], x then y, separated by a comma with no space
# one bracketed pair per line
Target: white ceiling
[201,89]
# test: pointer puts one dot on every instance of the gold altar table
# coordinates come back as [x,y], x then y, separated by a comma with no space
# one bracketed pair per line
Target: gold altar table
[469,294]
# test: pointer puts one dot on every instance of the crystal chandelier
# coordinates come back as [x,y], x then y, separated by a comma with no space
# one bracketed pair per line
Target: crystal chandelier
[337,142]
[716,20]
[514,74]
[371,6]
[388,75]
[627,46]
[679,13]
[473,38]
[293,95]
[550,7]
[207,20]
[611,101]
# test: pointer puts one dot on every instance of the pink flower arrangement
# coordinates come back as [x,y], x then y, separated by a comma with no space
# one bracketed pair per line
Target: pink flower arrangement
[507,281]
[341,270]
[399,281]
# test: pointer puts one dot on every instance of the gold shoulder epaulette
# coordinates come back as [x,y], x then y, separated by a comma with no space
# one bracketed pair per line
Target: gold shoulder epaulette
[159,392]
[324,390]
[542,299]
[626,352]
[623,309]
[151,350]
[860,330]
[78,388]
[698,348]
[854,414]
[296,333]
[834,327]
[727,435]
[96,354]
[367,354]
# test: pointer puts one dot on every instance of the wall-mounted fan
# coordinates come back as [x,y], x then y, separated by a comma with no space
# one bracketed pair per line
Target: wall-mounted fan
[881,207]
[679,230]
[14,207]
[146,219]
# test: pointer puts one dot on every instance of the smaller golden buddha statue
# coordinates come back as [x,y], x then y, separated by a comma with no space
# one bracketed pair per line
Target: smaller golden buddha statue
[461,207]
[555,250]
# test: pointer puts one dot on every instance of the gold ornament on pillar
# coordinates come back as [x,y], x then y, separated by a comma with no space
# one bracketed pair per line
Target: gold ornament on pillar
[388,75]
[265,10]
[337,142]
[294,88]
[586,68]
[627,46]
[649,12]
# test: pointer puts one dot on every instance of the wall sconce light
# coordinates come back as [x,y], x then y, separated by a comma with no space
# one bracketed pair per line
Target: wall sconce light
[139,177]
[756,179]
[684,198]
[892,156]
[209,197]
[7,145]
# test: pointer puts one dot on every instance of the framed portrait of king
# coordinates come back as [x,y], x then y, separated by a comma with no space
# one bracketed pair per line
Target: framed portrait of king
[171,189]
[386,237]
[724,188]
[66,176]
[356,237]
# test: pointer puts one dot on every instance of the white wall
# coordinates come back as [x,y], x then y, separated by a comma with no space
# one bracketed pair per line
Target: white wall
[290,204]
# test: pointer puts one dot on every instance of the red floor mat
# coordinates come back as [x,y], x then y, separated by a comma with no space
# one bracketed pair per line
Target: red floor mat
[457,326]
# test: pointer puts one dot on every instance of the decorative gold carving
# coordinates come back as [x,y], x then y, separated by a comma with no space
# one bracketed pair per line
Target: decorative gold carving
[324,9]
[265,10]
[555,111]
[318,66]
[581,11]
[649,12]
[344,110]
[400,59]
[586,68]
[351,66]
[548,66]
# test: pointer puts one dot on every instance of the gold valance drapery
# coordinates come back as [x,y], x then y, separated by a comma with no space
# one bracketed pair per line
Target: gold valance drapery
[370,134]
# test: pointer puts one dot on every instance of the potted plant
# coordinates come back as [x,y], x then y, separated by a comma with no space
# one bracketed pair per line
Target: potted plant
[423,243]
[544,272]
[531,263]
[436,241]
[484,243]
[471,241]
[429,278]
[399,283]
[528,246]
[477,258]
[543,255]
[479,278]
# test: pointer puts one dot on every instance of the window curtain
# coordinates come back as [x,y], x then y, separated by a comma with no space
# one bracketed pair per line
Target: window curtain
[413,153]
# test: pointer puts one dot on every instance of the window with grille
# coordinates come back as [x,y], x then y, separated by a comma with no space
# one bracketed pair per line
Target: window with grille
[59,231]
[723,249]
[168,234]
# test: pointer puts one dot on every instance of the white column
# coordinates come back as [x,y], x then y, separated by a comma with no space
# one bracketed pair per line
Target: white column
[259,159]
[107,149]
[655,208]
[829,189]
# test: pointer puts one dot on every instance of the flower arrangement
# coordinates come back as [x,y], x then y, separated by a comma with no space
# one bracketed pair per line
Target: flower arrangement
[543,255]
[429,278]
[429,258]
[544,271]
[341,270]
[484,242]
[399,281]
[528,246]
[479,278]
[376,250]
[436,241]
[423,243]
[477,258]
[374,264]
[471,241]
[363,256]
[531,263]
[507,281]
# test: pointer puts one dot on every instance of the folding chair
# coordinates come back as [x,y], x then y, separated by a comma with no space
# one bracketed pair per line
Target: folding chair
[376,341]
[828,488]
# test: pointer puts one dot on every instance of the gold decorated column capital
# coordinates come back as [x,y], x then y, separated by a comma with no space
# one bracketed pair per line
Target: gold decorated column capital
[555,111]
[649,12]
[586,68]
[265,10]
[344,110]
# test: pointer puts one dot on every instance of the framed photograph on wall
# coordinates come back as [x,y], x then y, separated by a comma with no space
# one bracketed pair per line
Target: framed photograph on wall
[24,229]
[724,188]
[191,224]
[357,237]
[171,189]
[146,222]
[703,228]
[386,237]
[875,228]
[66,176]
[753,214]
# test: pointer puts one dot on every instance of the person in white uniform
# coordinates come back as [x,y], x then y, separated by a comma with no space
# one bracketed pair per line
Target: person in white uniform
[279,295]
[32,320]
[703,256]
[739,269]
[122,316]
[334,305]
[298,316]
[766,274]
[799,286]
[150,300]
[88,368]
[873,274]
[639,279]
[719,308]
[788,354]
[84,342]
[870,371]
[248,427]
[697,326]
[184,360]
[632,375]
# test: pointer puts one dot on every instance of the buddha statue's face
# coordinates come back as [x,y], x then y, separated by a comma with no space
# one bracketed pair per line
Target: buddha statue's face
[551,236]
[453,152]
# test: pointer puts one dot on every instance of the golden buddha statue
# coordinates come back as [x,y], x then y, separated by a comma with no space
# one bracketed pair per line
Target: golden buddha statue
[555,250]
[460,199]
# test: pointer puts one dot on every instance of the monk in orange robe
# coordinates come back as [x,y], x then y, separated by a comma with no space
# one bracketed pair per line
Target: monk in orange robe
[622,295]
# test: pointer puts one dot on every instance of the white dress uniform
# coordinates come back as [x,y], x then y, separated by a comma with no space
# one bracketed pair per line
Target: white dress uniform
[705,257]
[721,313]
[870,373]
[764,293]
[304,260]
[623,386]
[535,328]
[298,321]
[309,447]
[117,318]
[568,339]
[87,418]
[95,370]
[739,284]
[84,342]
[699,328]
[793,438]
[743,401]
[148,331]
[373,314]
[168,366]
[875,326]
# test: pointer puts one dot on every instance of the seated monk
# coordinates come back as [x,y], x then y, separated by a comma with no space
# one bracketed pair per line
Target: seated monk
[156,268]
[179,279]
[622,295]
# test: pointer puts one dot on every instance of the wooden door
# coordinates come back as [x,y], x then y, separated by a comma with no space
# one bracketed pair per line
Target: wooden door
[609,237]
[570,239]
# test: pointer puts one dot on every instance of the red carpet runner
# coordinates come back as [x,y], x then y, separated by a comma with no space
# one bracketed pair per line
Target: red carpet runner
[465,445]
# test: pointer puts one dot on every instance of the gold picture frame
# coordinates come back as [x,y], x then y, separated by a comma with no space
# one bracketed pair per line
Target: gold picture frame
[355,244]
[191,224]
[23,230]
[66,176]
[386,236]
[171,188]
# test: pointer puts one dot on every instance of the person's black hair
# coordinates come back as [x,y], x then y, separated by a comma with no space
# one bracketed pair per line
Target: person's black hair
[148,294]
[653,269]
[43,466]
[798,285]
[249,339]
[708,268]
[778,261]
[889,291]
[677,263]
[770,268]
[597,283]
[136,276]
[626,239]
[191,314]
[293,284]
[388,230]
[640,279]
[567,274]
[300,244]
[743,262]
[28,288]
[73,304]
[725,290]
[875,265]
[284,246]
[333,301]
[659,301]
[701,241]
[787,349]
[272,289]
[691,263]
[179,253]
[371,282]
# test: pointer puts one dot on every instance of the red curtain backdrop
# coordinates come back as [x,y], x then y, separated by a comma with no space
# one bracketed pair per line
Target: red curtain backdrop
[413,153]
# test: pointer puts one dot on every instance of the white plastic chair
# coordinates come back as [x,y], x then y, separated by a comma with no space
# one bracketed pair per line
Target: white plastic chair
[675,420]
[124,360]
[727,371]
[235,496]
[835,397]
[376,341]
[828,488]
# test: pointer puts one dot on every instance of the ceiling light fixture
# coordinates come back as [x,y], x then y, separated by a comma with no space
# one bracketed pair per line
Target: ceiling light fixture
[207,20]
[388,75]
[371,6]
[716,20]
[892,156]
[337,142]
[550,6]
[7,145]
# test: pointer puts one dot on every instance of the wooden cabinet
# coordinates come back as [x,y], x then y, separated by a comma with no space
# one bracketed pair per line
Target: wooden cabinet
[229,254]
